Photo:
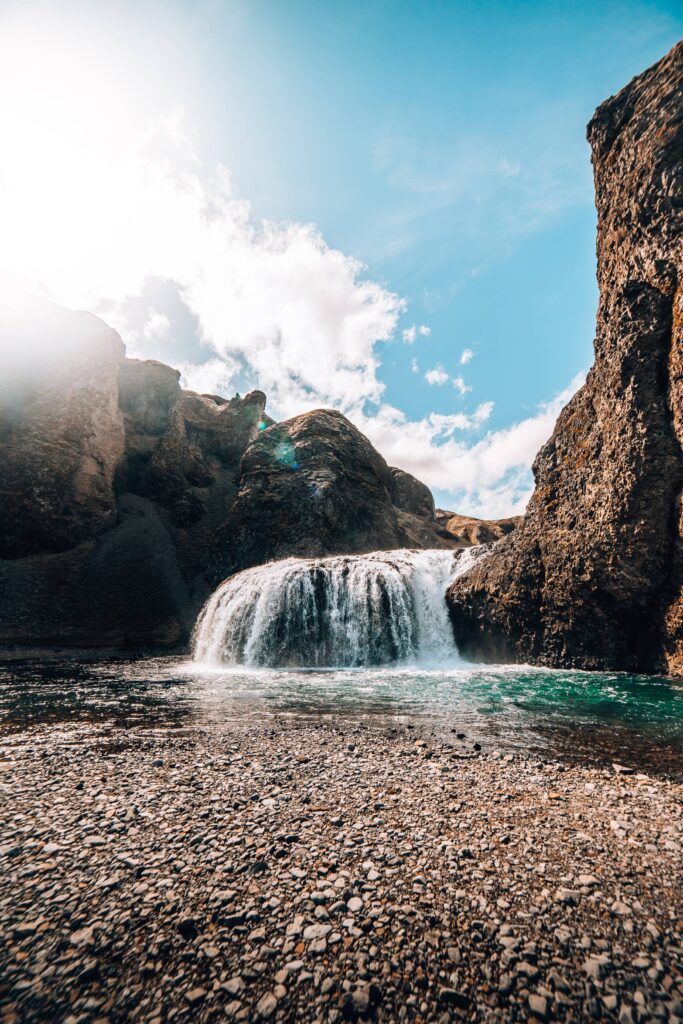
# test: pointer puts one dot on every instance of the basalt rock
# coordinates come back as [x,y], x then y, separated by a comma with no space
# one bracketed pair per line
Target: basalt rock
[592,577]
[113,480]
[314,485]
[410,494]
[61,435]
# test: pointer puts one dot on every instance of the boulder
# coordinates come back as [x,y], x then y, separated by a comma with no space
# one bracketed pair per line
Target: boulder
[311,485]
[592,576]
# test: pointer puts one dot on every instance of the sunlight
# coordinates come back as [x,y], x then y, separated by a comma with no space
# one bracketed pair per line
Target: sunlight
[70,181]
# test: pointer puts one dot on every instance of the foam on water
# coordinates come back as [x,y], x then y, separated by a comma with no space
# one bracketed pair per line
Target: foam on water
[344,611]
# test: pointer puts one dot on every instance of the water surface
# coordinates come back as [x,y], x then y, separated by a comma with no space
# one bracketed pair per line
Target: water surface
[599,717]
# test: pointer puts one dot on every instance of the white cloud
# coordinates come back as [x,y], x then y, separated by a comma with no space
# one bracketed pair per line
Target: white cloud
[215,376]
[157,326]
[436,376]
[467,355]
[90,217]
[301,314]
[410,333]
[490,477]
[460,386]
[414,366]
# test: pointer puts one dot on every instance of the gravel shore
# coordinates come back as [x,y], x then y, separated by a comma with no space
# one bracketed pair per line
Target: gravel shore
[320,872]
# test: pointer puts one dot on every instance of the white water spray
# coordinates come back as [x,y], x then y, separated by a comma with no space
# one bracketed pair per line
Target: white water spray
[344,611]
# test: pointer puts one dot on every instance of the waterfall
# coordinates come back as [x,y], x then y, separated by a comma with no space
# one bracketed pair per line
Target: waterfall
[343,611]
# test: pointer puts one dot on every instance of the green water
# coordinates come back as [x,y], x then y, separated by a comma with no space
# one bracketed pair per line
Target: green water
[604,716]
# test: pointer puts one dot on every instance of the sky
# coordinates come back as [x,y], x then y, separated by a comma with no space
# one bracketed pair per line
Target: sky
[381,207]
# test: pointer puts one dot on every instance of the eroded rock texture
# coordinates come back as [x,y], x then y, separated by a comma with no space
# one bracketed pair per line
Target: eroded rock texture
[113,482]
[314,485]
[61,436]
[592,576]
[124,499]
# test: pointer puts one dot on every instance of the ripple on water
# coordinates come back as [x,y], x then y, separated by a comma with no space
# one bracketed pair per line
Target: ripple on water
[604,716]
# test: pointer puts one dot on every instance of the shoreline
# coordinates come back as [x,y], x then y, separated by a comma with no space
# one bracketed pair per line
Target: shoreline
[329,871]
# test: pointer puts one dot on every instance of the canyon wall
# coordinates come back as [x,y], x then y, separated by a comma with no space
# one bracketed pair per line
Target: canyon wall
[125,499]
[592,577]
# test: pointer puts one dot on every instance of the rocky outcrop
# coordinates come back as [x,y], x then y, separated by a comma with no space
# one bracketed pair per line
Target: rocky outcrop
[114,482]
[61,435]
[410,494]
[592,576]
[126,498]
[469,531]
[314,485]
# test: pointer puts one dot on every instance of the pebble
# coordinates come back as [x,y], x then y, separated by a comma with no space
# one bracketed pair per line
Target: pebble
[290,875]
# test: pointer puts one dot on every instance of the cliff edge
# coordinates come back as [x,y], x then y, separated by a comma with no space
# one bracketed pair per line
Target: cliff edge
[592,577]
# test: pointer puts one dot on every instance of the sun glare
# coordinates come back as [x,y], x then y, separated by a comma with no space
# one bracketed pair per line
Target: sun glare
[75,110]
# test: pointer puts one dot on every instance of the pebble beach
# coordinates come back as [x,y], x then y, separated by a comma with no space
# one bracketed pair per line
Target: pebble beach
[328,872]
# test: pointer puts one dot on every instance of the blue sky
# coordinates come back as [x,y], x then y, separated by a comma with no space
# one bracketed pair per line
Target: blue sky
[441,145]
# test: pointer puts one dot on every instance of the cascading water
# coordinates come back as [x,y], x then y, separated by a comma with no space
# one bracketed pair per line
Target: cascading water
[344,611]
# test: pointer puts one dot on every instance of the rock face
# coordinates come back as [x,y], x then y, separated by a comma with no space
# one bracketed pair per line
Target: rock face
[314,485]
[592,577]
[126,499]
[113,483]
[469,531]
[61,436]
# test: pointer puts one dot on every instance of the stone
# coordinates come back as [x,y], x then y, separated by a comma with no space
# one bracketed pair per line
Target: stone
[597,966]
[184,854]
[567,896]
[196,996]
[621,909]
[451,997]
[538,1006]
[233,986]
[317,931]
[267,1005]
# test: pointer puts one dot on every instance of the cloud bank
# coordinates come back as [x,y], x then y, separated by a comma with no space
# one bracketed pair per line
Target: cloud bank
[108,227]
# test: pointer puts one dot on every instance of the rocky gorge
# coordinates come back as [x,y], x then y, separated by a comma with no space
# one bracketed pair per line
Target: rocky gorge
[126,500]
[305,821]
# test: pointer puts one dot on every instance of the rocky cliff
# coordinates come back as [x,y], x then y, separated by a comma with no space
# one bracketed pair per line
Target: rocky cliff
[314,485]
[113,483]
[125,499]
[593,575]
